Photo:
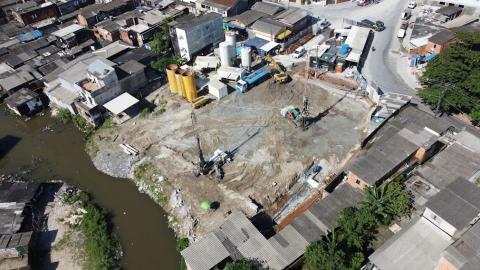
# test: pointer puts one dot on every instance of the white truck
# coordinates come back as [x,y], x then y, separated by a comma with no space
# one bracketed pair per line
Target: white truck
[403,30]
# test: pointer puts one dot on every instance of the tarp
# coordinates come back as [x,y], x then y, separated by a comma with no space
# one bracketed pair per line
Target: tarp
[269,46]
[430,57]
[284,34]
[357,38]
[120,103]
[255,42]
[30,35]
[344,49]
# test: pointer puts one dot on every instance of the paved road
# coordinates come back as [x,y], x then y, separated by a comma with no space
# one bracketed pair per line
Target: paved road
[381,64]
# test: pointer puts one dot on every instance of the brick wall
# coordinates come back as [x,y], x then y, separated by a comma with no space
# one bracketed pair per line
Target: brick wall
[356,182]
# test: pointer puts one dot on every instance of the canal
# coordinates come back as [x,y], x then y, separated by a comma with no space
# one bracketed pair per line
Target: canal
[58,153]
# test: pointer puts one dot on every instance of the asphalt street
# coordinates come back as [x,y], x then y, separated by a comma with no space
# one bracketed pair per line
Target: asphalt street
[381,64]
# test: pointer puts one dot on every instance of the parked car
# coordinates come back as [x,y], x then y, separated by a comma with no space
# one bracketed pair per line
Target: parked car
[323,24]
[299,52]
[403,30]
[377,26]
[412,5]
[406,15]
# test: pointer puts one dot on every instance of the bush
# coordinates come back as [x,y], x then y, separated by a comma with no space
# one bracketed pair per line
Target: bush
[145,112]
[242,265]
[182,243]
[83,126]
[64,115]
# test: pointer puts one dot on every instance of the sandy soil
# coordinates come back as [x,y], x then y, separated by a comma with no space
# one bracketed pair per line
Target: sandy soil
[270,151]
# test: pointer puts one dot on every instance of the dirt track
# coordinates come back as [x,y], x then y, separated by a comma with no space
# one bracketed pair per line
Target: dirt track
[270,150]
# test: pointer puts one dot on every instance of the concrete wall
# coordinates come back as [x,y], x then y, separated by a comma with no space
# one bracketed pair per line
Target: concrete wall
[439,222]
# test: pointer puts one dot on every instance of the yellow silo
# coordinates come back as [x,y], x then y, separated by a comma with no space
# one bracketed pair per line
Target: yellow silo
[180,87]
[172,82]
[189,86]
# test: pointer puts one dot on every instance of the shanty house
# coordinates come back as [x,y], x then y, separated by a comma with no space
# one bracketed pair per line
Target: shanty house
[122,108]
[36,13]
[24,102]
[107,30]
[72,35]
[409,137]
[448,13]
[90,15]
[226,8]
[296,19]
[440,41]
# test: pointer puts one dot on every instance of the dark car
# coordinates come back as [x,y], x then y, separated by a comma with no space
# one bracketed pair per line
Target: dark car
[379,26]
[366,23]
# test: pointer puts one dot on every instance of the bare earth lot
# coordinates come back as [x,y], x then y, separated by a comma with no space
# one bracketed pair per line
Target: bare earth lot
[271,152]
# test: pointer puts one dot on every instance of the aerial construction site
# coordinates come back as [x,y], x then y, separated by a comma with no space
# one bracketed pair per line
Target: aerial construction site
[265,143]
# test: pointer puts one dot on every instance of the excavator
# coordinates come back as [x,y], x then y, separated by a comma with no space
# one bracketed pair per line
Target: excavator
[281,76]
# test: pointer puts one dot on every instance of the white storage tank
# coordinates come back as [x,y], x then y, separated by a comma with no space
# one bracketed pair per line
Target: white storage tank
[225,54]
[231,39]
[246,56]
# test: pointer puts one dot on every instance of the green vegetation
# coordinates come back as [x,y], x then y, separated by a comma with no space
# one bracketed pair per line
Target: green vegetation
[162,46]
[108,122]
[182,243]
[145,176]
[64,115]
[100,247]
[83,126]
[347,246]
[145,112]
[455,75]
[242,265]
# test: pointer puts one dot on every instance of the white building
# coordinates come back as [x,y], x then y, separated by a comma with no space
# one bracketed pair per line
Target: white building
[200,33]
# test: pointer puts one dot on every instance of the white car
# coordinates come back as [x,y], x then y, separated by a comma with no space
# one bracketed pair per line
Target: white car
[299,52]
[412,5]
[401,33]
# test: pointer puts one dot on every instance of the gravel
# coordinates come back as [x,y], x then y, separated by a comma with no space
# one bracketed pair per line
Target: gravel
[115,162]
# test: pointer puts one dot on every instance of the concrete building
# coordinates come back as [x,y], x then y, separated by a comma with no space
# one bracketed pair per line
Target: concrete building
[71,36]
[194,35]
[416,247]
[464,253]
[226,8]
[409,137]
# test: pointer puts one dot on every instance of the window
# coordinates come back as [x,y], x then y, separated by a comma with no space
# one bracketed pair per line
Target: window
[434,217]
[434,46]
[357,182]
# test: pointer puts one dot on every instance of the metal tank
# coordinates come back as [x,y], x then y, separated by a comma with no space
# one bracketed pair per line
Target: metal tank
[189,85]
[225,54]
[178,79]
[172,81]
[246,56]
[231,39]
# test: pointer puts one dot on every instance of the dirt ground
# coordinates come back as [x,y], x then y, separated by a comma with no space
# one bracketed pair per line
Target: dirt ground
[270,151]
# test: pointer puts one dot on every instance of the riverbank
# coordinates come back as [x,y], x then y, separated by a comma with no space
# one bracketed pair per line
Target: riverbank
[49,149]
[75,233]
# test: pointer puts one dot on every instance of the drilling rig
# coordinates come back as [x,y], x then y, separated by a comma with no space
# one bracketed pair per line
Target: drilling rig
[216,162]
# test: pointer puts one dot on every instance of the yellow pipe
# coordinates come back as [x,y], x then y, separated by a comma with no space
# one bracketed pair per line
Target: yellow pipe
[189,86]
[180,87]
[172,81]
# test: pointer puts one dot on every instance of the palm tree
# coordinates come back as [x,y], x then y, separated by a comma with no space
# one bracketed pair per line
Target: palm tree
[325,254]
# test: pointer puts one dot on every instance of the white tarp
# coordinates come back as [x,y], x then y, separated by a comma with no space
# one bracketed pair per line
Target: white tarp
[269,46]
[120,103]
[356,39]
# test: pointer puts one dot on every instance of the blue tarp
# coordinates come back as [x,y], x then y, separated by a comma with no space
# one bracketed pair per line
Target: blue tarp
[257,43]
[30,35]
[430,57]
[344,49]
[234,26]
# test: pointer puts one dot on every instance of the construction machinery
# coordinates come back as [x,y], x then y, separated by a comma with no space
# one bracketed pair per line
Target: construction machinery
[281,76]
[250,79]
[215,163]
[298,118]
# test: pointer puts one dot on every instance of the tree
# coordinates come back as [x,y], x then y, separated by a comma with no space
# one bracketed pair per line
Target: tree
[452,78]
[161,43]
[387,201]
[357,225]
[242,265]
[325,254]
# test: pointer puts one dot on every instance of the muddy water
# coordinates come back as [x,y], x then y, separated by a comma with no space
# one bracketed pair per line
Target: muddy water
[58,154]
